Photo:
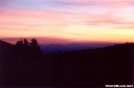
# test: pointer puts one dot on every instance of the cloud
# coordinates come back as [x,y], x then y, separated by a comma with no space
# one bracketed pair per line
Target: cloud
[104,3]
[77,20]
[35,18]
[41,40]
[108,19]
[45,19]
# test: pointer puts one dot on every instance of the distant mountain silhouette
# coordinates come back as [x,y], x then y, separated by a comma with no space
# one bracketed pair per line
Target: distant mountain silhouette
[25,65]
[70,47]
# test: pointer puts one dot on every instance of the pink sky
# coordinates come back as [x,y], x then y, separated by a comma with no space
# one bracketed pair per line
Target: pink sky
[68,21]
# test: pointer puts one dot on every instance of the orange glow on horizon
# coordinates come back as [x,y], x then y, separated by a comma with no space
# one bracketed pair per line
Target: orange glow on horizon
[113,23]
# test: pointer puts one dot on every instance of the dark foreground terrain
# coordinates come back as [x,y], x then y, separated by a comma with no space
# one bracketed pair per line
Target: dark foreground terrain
[24,65]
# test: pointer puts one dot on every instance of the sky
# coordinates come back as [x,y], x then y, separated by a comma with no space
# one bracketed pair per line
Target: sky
[67,21]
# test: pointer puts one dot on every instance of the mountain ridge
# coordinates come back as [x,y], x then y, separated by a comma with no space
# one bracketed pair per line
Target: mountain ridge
[81,68]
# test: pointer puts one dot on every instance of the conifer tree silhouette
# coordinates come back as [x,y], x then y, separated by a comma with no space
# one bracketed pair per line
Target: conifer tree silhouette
[19,43]
[34,43]
[26,44]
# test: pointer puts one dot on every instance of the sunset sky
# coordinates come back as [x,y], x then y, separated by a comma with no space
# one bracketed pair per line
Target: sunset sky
[67,21]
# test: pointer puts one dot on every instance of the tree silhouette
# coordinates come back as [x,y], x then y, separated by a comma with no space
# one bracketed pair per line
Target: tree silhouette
[95,67]
[34,46]
[19,43]
[34,43]
[26,44]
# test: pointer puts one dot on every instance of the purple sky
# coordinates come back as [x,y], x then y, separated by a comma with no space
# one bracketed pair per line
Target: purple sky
[67,21]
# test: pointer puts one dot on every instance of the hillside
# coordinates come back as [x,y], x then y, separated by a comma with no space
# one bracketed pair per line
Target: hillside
[83,68]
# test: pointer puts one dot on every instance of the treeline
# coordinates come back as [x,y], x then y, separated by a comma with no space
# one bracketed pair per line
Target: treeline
[94,67]
[25,45]
[24,64]
[21,46]
[20,62]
